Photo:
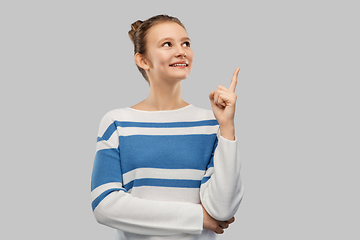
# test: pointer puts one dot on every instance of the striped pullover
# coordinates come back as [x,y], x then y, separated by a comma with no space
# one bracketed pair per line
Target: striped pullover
[152,170]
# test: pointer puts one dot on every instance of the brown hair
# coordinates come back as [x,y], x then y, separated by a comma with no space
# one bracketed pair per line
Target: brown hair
[139,30]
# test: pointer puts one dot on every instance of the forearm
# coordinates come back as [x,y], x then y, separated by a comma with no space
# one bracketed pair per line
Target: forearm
[122,211]
[222,194]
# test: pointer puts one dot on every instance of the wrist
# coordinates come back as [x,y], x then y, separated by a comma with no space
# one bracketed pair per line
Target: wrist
[227,131]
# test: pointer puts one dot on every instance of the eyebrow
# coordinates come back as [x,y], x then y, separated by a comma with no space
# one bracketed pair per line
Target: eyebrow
[169,38]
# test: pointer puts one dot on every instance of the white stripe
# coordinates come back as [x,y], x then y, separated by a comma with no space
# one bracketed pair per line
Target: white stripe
[103,145]
[209,172]
[190,174]
[99,190]
[127,131]
[167,194]
[190,114]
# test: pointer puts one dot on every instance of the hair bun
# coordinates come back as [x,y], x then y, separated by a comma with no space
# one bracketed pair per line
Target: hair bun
[134,26]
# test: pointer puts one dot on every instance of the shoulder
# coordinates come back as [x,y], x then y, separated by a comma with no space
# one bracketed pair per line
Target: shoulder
[114,114]
[110,120]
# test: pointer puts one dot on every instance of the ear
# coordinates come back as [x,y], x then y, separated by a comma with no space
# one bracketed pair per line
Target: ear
[141,61]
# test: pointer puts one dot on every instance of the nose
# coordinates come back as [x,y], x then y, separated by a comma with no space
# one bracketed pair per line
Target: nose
[180,53]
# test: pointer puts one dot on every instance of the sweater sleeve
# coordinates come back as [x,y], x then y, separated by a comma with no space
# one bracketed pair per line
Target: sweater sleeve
[221,191]
[113,206]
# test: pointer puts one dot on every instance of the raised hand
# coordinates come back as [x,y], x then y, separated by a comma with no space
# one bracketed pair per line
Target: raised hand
[223,102]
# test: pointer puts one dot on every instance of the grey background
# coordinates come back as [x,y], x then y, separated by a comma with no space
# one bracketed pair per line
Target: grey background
[64,64]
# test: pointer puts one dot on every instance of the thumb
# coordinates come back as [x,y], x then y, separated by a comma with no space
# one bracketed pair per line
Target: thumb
[211,97]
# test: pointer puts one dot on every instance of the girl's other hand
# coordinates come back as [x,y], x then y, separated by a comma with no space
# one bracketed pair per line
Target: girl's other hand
[215,225]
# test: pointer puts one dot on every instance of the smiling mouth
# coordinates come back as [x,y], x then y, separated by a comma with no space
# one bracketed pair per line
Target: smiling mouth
[179,65]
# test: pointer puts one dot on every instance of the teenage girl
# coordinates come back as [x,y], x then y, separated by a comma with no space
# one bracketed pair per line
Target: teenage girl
[165,169]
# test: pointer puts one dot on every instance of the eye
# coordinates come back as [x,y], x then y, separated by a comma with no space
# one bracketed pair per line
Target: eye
[186,44]
[167,44]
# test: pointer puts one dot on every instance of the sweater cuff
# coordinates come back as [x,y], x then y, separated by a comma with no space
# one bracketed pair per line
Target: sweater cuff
[227,140]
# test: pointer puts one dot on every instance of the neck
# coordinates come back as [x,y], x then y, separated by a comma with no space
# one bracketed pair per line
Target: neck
[165,97]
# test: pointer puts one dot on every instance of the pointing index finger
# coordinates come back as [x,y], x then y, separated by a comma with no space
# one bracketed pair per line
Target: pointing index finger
[234,80]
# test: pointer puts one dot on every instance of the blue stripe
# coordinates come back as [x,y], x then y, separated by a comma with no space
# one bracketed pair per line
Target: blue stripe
[166,152]
[96,202]
[107,134]
[211,163]
[106,168]
[204,180]
[112,128]
[155,182]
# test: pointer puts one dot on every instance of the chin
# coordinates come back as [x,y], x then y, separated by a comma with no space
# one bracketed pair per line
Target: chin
[180,76]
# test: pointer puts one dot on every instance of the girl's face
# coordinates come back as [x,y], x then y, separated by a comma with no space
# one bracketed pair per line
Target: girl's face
[168,52]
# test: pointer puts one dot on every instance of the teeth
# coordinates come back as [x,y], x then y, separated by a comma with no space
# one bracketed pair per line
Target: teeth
[179,65]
